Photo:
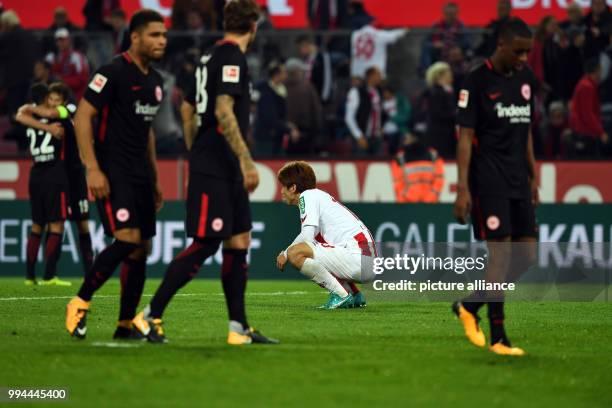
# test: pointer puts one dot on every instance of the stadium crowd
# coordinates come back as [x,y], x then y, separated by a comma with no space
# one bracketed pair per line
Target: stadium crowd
[330,91]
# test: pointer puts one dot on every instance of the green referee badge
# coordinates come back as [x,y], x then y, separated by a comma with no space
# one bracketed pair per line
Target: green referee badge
[302,206]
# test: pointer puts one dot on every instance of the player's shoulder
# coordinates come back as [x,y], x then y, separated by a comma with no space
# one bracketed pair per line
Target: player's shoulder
[315,194]
[224,50]
[478,70]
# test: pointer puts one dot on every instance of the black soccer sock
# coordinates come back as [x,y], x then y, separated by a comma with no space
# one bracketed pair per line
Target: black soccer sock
[473,302]
[104,266]
[132,277]
[53,250]
[32,255]
[234,278]
[181,270]
[496,320]
[86,251]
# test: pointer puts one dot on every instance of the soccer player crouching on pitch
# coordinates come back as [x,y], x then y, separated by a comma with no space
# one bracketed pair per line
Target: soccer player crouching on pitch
[333,240]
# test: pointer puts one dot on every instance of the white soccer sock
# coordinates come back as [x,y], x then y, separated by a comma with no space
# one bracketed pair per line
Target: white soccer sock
[321,276]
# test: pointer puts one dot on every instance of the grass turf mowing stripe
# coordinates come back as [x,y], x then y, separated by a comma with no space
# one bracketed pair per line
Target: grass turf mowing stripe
[294,293]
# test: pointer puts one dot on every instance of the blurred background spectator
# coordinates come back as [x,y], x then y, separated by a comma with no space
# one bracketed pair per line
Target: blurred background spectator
[97,14]
[319,69]
[327,14]
[545,59]
[446,34]
[557,134]
[121,35]
[441,112]
[206,9]
[61,20]
[364,112]
[303,110]
[68,64]
[369,49]
[397,111]
[588,135]
[598,24]
[489,40]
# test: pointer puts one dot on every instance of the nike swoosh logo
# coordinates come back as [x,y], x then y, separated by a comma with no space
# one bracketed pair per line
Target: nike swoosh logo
[136,88]
[81,332]
[495,95]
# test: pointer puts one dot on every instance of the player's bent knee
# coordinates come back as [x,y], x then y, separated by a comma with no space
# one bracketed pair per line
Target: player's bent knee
[37,228]
[56,227]
[83,227]
[239,241]
[296,254]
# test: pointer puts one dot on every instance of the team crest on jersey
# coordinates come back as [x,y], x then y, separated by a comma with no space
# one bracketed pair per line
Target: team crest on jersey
[302,205]
[122,215]
[493,222]
[526,91]
[464,97]
[231,73]
[158,93]
[98,82]
[217,224]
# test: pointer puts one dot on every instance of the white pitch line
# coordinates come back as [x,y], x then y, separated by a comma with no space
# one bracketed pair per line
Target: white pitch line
[111,344]
[298,292]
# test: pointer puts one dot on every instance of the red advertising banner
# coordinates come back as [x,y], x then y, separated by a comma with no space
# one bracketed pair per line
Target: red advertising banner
[293,13]
[360,181]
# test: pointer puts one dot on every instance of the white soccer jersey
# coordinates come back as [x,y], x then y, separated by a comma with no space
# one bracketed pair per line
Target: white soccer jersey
[334,223]
[369,49]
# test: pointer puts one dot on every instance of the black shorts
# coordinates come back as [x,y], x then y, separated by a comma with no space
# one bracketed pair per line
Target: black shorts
[498,217]
[216,207]
[130,205]
[78,204]
[48,201]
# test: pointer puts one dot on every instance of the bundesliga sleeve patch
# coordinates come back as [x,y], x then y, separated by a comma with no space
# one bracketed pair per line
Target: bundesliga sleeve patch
[464,97]
[231,73]
[302,205]
[98,82]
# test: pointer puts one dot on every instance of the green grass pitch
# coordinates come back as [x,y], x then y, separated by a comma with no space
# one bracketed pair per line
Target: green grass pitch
[389,354]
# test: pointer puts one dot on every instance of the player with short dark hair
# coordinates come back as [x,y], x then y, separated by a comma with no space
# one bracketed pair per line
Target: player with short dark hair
[221,174]
[497,178]
[78,204]
[48,186]
[124,96]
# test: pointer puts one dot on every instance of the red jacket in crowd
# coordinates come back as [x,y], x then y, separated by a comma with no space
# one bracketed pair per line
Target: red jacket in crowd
[585,113]
[71,67]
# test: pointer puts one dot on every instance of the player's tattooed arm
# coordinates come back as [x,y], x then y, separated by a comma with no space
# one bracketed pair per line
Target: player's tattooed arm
[25,117]
[224,112]
[189,123]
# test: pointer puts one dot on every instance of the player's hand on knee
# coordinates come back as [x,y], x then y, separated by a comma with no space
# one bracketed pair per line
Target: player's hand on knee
[250,174]
[463,205]
[281,260]
[98,183]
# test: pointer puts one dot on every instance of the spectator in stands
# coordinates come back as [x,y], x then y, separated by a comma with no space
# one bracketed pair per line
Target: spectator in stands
[575,19]
[557,132]
[572,63]
[599,25]
[121,35]
[18,52]
[97,14]
[191,36]
[397,111]
[265,20]
[271,125]
[545,58]
[358,17]
[605,89]
[207,10]
[42,76]
[185,78]
[489,41]
[459,66]
[303,110]
[369,49]
[363,114]
[446,34]
[327,14]
[61,20]
[319,70]
[418,173]
[68,64]
[441,112]
[585,117]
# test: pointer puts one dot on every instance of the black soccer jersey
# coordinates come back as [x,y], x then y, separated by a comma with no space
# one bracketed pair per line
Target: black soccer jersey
[72,158]
[127,101]
[222,71]
[47,152]
[500,109]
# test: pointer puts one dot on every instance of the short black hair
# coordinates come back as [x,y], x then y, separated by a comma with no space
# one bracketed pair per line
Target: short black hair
[38,92]
[274,68]
[143,17]
[514,27]
[370,71]
[591,65]
[59,88]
